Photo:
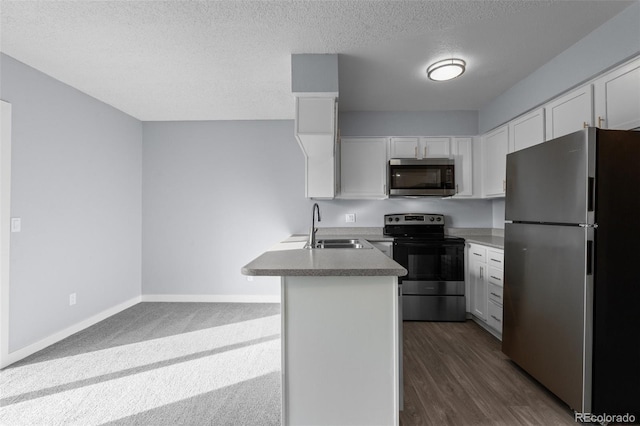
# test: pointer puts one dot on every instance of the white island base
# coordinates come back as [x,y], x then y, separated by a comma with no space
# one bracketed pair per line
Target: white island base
[340,358]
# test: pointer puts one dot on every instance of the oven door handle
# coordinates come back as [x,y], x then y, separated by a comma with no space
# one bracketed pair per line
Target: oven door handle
[425,244]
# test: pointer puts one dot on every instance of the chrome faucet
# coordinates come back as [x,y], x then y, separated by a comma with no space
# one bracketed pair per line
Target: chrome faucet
[312,232]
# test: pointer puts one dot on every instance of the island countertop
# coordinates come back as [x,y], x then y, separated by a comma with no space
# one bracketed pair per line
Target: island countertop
[290,258]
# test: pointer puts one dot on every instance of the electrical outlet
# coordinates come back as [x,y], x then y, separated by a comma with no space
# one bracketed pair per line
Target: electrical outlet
[16,224]
[350,217]
[72,299]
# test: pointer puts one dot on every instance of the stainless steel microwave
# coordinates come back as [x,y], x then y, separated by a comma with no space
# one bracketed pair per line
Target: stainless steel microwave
[410,177]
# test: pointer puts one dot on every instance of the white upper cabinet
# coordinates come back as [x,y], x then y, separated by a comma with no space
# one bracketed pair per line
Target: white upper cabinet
[316,132]
[424,147]
[404,148]
[462,151]
[495,145]
[527,130]
[617,98]
[363,171]
[315,115]
[569,113]
[435,147]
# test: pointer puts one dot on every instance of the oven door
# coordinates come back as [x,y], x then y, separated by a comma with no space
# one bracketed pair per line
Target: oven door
[430,261]
[433,289]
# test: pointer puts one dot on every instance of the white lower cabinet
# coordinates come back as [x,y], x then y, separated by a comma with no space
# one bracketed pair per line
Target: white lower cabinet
[485,277]
[477,277]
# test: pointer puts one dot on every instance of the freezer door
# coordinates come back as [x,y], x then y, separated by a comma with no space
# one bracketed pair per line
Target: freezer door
[547,307]
[550,182]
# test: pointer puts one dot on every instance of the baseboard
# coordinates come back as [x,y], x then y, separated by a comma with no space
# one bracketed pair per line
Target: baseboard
[488,329]
[56,337]
[212,298]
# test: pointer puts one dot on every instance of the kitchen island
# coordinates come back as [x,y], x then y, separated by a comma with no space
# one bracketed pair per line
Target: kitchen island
[340,333]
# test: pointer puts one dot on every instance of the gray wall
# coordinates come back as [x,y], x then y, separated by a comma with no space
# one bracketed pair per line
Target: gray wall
[314,73]
[408,123]
[215,195]
[612,43]
[498,213]
[202,221]
[76,184]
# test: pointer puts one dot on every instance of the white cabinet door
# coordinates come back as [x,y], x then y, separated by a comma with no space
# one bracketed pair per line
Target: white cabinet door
[315,130]
[363,169]
[404,147]
[617,98]
[434,147]
[424,147]
[494,158]
[527,130]
[315,115]
[462,150]
[569,113]
[478,288]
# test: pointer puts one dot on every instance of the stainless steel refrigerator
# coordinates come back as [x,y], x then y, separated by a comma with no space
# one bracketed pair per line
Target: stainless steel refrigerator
[572,268]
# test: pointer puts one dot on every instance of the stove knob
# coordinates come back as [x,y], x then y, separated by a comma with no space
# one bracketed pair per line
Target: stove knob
[390,219]
[397,219]
[439,219]
[432,219]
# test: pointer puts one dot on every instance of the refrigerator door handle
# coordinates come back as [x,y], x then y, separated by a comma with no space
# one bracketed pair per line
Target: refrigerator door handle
[591,194]
[589,257]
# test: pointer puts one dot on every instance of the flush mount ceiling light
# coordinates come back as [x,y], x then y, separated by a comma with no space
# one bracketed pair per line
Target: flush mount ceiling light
[446,70]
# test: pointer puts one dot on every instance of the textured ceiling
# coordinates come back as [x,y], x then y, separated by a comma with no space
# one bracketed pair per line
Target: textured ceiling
[231,60]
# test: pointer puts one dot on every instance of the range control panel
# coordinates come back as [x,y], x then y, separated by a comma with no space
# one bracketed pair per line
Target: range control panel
[414,219]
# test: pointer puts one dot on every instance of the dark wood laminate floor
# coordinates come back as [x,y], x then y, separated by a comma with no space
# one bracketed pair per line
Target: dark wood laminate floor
[456,374]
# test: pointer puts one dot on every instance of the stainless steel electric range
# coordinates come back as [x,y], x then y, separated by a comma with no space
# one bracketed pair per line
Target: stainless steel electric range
[433,289]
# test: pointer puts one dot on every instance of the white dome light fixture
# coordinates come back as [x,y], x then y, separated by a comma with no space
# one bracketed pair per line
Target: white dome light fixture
[446,70]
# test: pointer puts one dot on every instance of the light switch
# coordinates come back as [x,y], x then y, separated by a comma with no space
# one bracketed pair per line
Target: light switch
[350,217]
[16,224]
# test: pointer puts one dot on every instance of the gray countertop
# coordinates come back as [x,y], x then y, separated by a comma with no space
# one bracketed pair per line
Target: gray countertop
[485,236]
[486,240]
[290,258]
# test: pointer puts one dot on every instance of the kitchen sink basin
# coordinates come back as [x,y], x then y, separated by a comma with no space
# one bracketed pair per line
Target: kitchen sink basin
[341,244]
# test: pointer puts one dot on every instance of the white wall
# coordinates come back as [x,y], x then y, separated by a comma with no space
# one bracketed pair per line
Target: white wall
[76,184]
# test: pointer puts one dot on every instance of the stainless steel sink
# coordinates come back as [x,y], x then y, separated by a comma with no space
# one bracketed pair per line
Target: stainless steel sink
[340,244]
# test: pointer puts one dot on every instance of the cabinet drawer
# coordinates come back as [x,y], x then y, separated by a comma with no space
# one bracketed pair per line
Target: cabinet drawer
[494,319]
[495,276]
[495,294]
[477,253]
[496,258]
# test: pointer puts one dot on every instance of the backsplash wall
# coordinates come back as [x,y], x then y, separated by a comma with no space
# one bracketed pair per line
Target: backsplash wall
[458,213]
